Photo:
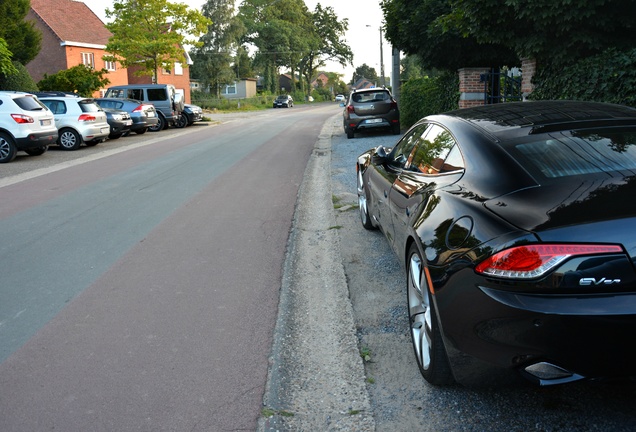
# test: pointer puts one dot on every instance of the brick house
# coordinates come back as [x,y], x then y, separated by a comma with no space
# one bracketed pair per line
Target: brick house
[72,34]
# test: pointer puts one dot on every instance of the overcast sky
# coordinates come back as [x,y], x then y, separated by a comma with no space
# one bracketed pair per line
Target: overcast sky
[363,37]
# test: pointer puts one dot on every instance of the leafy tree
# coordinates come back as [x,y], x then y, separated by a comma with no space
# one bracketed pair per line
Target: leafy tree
[6,66]
[279,31]
[243,64]
[213,58]
[21,36]
[364,71]
[427,28]
[79,79]
[150,34]
[325,42]
[18,81]
[549,30]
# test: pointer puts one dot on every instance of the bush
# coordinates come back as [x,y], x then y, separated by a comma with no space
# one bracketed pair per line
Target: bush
[429,95]
[607,77]
[20,81]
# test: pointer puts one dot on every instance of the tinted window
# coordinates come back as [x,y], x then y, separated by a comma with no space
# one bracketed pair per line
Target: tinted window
[28,103]
[88,106]
[577,154]
[156,95]
[400,154]
[430,155]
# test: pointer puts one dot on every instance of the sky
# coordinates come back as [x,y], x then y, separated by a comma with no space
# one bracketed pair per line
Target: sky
[363,37]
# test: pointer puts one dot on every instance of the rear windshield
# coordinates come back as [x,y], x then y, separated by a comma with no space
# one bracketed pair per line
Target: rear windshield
[110,104]
[370,97]
[89,106]
[28,103]
[578,153]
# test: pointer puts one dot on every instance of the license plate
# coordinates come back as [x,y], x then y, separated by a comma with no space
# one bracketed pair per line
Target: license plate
[128,122]
[151,114]
[374,121]
[46,122]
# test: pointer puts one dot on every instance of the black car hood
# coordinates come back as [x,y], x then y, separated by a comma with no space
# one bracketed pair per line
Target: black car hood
[572,202]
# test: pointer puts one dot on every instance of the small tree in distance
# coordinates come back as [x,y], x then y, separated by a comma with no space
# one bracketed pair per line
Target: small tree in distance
[150,34]
[79,79]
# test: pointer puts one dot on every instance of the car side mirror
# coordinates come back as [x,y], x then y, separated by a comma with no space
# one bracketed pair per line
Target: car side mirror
[380,156]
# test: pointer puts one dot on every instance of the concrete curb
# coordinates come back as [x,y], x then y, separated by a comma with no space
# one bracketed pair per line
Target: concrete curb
[316,379]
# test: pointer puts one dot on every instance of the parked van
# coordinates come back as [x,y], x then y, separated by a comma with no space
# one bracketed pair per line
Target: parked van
[168,103]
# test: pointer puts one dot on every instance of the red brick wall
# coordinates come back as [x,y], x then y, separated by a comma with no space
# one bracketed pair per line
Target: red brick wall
[528,69]
[471,88]
[51,58]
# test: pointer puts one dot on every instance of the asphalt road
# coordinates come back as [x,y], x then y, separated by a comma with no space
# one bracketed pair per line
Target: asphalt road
[140,282]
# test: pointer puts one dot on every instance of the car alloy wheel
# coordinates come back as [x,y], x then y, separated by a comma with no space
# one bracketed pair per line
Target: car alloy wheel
[159,126]
[362,203]
[426,337]
[69,139]
[8,150]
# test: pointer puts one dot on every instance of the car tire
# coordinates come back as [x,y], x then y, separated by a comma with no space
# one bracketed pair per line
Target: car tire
[159,126]
[367,223]
[8,149]
[425,333]
[113,136]
[395,129]
[93,143]
[38,151]
[69,139]
[182,121]
[141,131]
[350,133]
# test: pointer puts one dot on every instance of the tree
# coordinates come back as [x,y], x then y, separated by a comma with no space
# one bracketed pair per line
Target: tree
[549,30]
[243,64]
[364,71]
[18,81]
[79,79]
[213,58]
[6,65]
[423,27]
[21,36]
[325,42]
[279,30]
[150,34]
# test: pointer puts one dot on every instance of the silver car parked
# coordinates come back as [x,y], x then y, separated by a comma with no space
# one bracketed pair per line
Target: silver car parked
[78,120]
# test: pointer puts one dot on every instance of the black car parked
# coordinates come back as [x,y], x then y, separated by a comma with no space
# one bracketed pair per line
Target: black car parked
[143,116]
[515,225]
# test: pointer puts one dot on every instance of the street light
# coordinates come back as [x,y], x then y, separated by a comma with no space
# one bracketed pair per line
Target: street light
[381,58]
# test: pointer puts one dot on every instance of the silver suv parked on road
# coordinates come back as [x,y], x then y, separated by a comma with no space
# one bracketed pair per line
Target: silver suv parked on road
[371,109]
[25,125]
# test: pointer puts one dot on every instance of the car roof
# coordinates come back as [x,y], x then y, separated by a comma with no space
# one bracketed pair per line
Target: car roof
[507,120]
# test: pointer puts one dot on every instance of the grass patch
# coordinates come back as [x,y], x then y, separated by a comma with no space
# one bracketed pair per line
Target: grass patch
[336,227]
[269,412]
[365,353]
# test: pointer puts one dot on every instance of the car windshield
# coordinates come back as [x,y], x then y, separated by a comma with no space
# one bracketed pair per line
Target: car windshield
[281,98]
[578,153]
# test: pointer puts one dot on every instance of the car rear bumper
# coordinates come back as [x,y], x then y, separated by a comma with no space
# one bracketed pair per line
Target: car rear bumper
[549,339]
[35,140]
[93,133]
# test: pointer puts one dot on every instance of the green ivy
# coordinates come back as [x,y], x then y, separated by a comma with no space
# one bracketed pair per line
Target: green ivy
[429,95]
[607,77]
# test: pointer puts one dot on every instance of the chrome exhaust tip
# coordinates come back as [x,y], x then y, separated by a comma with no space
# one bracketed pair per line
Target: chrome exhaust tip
[546,374]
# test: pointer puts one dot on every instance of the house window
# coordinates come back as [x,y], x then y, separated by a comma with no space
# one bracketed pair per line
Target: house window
[178,69]
[88,59]
[110,65]
[165,71]
[230,89]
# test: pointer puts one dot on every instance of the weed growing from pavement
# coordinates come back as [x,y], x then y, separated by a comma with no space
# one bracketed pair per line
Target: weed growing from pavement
[365,353]
[268,412]
[334,227]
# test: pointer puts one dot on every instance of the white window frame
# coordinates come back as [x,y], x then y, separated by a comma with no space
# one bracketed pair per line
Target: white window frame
[88,59]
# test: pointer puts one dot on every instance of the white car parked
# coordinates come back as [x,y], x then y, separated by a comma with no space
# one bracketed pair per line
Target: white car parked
[25,125]
[78,120]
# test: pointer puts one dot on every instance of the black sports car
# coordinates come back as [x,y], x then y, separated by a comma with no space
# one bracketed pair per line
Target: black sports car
[516,225]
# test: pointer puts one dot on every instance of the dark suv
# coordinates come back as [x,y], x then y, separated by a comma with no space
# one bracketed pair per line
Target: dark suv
[371,109]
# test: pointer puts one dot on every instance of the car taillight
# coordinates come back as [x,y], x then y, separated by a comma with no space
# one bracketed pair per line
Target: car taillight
[140,108]
[351,109]
[87,118]
[535,260]
[22,119]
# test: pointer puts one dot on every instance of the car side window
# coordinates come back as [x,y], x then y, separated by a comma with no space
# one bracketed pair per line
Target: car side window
[135,94]
[156,95]
[400,156]
[56,107]
[431,155]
